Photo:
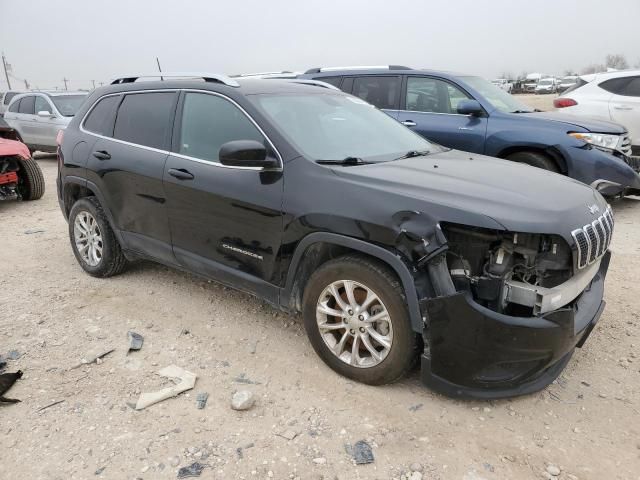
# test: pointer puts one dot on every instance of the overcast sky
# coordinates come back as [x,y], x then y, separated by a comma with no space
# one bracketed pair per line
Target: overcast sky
[84,40]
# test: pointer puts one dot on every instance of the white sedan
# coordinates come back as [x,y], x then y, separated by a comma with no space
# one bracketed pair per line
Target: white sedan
[611,96]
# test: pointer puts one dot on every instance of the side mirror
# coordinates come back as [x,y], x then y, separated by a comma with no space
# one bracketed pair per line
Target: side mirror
[245,153]
[45,113]
[470,107]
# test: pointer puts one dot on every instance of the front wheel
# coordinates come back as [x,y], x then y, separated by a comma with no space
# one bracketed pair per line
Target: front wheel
[31,184]
[356,317]
[535,159]
[93,242]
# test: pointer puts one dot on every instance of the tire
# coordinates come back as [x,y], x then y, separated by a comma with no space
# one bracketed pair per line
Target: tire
[111,260]
[32,184]
[369,276]
[534,159]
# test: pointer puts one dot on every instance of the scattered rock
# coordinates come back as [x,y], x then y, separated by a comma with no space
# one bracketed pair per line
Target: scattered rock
[415,476]
[242,400]
[320,461]
[361,452]
[193,470]
[288,434]
[135,340]
[174,461]
[415,408]
[553,470]
[416,467]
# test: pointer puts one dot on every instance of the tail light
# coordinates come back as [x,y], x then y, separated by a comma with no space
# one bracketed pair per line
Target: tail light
[564,102]
[59,137]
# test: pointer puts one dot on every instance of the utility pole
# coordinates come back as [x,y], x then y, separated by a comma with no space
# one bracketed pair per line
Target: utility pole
[6,73]
[65,80]
[159,69]
[26,84]
[94,84]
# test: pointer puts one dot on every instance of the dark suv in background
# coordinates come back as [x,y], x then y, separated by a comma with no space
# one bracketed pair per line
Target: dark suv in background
[469,113]
[391,247]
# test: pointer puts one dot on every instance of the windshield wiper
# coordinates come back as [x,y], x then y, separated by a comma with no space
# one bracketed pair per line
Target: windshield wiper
[414,153]
[348,161]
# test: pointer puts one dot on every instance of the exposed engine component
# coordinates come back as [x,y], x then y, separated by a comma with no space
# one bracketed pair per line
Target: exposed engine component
[9,169]
[499,267]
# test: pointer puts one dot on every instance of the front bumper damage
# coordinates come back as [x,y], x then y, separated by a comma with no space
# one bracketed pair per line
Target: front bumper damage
[474,352]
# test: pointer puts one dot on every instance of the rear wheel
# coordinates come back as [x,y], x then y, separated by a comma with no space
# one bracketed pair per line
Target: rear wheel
[93,242]
[31,186]
[535,159]
[356,318]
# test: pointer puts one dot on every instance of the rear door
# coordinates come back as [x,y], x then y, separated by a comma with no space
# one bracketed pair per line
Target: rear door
[382,91]
[624,104]
[226,222]
[127,161]
[429,108]
[25,120]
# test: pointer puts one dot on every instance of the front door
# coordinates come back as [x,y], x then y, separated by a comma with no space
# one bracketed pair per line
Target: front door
[430,109]
[226,222]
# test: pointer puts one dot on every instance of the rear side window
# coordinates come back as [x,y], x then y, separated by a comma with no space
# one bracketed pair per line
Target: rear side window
[15,106]
[208,122]
[27,105]
[627,86]
[144,119]
[100,119]
[383,92]
[335,81]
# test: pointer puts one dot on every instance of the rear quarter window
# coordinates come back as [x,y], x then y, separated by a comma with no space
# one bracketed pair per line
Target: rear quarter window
[144,119]
[627,86]
[100,118]
[15,106]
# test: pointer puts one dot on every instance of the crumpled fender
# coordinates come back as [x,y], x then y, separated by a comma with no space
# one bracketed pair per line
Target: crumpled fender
[419,236]
[13,148]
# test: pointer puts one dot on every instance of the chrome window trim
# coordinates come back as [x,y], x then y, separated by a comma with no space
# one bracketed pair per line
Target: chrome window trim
[176,154]
[430,113]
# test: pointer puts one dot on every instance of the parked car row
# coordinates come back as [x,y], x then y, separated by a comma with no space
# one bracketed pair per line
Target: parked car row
[392,247]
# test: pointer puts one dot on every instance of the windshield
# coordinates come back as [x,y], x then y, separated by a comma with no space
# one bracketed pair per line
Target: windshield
[335,127]
[500,99]
[567,80]
[68,105]
[545,82]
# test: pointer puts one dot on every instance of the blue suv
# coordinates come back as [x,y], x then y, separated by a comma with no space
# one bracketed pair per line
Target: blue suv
[466,112]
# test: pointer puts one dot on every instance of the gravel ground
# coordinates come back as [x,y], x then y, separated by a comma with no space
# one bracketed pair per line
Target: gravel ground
[586,425]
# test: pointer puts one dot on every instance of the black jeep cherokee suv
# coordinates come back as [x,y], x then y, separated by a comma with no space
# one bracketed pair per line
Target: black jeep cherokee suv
[391,247]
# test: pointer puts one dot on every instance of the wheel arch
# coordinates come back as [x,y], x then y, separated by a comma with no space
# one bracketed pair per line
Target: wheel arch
[76,188]
[551,152]
[316,248]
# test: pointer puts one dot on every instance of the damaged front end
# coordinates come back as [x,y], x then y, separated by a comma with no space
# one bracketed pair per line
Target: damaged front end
[507,309]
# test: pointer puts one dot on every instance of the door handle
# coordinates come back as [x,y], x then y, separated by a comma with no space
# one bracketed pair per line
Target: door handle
[102,155]
[180,173]
[409,123]
[622,107]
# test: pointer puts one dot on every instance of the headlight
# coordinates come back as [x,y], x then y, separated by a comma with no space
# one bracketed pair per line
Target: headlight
[609,142]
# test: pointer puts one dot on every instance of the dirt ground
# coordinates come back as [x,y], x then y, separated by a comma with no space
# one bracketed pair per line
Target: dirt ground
[587,424]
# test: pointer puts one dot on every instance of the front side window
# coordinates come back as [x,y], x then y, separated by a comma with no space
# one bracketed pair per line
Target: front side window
[27,105]
[208,122]
[42,105]
[68,105]
[100,119]
[335,126]
[144,119]
[382,92]
[497,97]
[432,95]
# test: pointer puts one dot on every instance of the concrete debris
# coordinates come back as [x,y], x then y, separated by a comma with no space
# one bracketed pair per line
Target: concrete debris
[288,434]
[135,340]
[242,400]
[186,381]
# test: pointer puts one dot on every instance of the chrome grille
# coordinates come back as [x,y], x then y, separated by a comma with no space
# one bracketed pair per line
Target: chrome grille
[593,239]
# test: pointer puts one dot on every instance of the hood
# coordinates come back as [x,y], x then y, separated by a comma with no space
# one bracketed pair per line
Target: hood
[590,124]
[469,189]
[13,148]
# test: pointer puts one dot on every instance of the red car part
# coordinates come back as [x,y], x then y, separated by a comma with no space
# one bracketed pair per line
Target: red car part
[11,177]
